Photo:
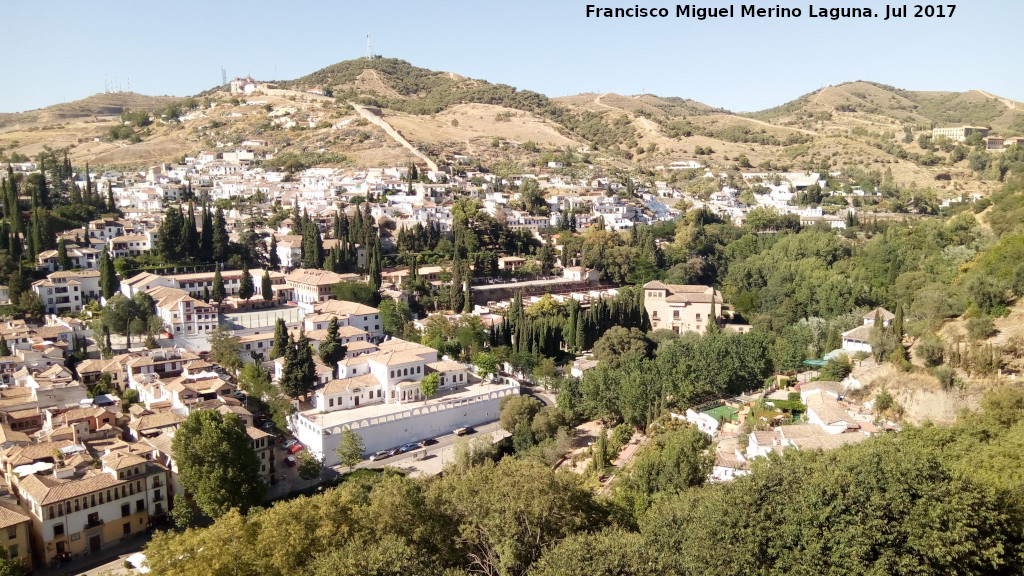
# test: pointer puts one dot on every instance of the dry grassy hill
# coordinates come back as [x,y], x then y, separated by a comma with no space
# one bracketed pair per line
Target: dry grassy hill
[92,107]
[855,125]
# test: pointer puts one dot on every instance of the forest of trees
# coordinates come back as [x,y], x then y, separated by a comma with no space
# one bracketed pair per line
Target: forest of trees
[930,500]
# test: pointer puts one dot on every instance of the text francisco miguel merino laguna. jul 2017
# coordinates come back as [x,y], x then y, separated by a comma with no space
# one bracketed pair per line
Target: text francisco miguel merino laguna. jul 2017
[754,11]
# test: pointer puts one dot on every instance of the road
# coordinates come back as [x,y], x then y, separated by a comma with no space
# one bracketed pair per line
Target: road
[437,454]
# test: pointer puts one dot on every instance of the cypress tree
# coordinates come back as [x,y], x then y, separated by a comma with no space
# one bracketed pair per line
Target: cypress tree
[171,239]
[897,323]
[88,195]
[275,259]
[218,293]
[280,339]
[206,235]
[220,237]
[312,245]
[62,256]
[108,276]
[267,287]
[331,349]
[245,286]
[189,234]
[4,349]
[111,206]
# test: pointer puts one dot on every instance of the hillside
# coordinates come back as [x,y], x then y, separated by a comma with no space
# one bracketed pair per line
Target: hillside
[904,107]
[861,127]
[91,107]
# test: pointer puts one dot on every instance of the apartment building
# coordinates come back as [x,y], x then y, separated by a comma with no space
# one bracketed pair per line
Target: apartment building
[67,291]
[81,509]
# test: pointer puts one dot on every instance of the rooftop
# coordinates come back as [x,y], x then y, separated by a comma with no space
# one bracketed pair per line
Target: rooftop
[340,417]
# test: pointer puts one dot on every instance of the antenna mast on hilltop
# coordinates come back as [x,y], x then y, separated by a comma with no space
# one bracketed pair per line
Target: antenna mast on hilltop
[369,48]
[223,76]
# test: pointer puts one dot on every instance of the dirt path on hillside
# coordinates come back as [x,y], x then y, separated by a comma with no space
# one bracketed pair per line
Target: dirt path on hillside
[597,100]
[394,134]
[1006,102]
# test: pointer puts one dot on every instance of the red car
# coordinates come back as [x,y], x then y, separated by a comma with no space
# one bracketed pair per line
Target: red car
[296,448]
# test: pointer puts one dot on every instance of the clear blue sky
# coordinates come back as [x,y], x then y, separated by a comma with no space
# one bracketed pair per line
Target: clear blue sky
[65,50]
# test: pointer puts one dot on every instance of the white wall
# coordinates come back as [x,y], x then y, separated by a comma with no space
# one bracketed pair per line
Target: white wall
[382,432]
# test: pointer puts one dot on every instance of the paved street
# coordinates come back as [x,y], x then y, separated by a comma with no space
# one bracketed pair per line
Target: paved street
[437,455]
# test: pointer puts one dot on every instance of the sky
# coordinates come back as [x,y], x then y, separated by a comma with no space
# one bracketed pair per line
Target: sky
[72,49]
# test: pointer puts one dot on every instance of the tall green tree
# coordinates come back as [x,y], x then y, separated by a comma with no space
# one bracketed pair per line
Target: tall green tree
[189,234]
[274,258]
[62,256]
[331,349]
[219,238]
[218,293]
[245,286]
[312,245]
[206,235]
[299,374]
[216,463]
[171,240]
[267,286]
[109,283]
[280,346]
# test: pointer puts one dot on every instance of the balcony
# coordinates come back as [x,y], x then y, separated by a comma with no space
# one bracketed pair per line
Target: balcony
[94,523]
[158,498]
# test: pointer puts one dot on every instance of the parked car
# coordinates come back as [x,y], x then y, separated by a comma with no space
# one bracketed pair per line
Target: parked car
[428,442]
[394,451]
[295,448]
[379,455]
[408,447]
[288,444]
[290,461]
[464,430]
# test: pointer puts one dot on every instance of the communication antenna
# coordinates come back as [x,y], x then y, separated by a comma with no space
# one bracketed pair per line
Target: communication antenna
[369,48]
[223,76]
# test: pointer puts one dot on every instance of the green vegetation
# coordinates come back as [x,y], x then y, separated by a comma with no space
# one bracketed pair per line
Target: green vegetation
[216,463]
[863,509]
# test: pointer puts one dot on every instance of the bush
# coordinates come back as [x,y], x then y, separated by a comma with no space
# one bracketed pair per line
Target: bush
[946,376]
[930,349]
[884,401]
[980,327]
[836,369]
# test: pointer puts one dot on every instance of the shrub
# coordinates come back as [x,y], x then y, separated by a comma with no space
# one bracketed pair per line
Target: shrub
[946,376]
[980,327]
[930,349]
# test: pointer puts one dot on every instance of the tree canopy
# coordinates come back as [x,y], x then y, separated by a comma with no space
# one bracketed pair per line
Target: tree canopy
[216,463]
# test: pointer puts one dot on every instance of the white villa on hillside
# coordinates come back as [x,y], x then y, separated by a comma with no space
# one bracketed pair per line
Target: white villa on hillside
[378,395]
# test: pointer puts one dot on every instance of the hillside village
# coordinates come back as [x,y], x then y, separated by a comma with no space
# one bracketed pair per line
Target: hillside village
[336,316]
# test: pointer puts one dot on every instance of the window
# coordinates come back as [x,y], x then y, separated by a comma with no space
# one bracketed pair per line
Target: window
[675,314]
[12,533]
[126,510]
[58,529]
[12,551]
[140,505]
[127,528]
